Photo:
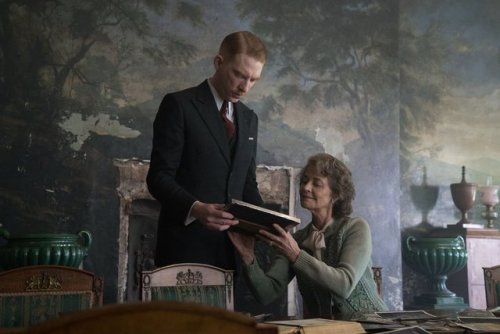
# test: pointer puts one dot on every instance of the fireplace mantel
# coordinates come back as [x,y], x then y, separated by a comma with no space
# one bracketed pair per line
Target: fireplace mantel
[132,186]
[277,185]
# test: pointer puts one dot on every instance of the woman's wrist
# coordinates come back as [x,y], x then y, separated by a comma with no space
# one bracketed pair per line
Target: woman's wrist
[248,259]
[293,257]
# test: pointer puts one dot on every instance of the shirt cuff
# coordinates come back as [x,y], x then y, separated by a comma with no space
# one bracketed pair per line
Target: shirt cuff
[189,219]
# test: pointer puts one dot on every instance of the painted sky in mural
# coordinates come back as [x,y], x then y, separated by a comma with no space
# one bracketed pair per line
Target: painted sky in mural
[467,133]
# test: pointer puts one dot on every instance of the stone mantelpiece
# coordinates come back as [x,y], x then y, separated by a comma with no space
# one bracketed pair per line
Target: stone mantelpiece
[132,186]
[276,184]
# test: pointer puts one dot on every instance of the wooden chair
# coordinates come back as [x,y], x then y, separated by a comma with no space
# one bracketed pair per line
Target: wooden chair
[153,317]
[32,294]
[191,282]
[377,276]
[492,286]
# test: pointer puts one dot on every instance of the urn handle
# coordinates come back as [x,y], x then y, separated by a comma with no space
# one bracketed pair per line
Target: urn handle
[87,239]
[461,240]
[409,240]
[4,233]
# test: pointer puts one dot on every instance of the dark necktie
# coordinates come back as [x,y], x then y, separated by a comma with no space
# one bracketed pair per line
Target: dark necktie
[227,122]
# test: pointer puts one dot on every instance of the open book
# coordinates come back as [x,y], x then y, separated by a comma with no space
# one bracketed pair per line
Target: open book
[253,218]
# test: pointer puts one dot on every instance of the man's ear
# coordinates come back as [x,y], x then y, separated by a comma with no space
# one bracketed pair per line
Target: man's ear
[218,61]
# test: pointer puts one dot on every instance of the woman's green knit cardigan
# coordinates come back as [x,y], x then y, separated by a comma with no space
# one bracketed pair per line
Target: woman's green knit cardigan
[339,286]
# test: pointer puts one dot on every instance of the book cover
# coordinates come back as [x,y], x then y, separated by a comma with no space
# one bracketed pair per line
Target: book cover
[253,218]
[317,326]
[407,315]
[410,330]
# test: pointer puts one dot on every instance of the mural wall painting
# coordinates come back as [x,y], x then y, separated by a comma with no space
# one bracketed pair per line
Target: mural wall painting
[391,87]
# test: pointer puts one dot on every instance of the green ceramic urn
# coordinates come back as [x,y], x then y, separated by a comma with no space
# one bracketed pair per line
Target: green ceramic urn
[45,248]
[436,258]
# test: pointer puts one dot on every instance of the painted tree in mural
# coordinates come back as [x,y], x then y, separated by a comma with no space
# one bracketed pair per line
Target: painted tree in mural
[62,56]
[354,53]
[424,82]
[339,52]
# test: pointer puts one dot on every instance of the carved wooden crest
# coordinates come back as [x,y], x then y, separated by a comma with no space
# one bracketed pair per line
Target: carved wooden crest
[189,278]
[43,281]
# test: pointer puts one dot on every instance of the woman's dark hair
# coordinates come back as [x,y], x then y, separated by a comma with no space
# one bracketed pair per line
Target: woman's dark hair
[339,179]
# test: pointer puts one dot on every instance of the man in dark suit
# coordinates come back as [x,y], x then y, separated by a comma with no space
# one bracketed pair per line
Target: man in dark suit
[196,166]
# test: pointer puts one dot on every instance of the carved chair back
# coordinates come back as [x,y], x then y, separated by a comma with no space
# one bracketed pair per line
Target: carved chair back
[377,276]
[189,282]
[492,286]
[32,294]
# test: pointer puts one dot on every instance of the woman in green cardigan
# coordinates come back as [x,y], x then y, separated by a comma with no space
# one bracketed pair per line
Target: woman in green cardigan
[331,256]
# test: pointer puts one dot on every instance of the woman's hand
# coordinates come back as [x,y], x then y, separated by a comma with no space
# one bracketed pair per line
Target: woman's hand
[282,241]
[244,245]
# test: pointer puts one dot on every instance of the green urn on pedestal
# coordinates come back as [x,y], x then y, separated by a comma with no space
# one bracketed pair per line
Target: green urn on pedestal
[436,258]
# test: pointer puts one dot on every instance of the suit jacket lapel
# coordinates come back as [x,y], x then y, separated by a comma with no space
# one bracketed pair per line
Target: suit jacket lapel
[207,109]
